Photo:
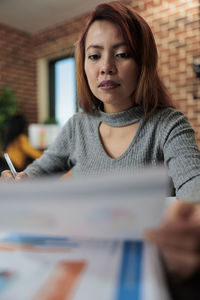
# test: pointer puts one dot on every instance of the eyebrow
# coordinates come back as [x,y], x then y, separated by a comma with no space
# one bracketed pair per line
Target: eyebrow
[116,46]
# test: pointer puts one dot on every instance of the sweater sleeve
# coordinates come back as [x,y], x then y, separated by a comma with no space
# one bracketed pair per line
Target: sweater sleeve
[56,159]
[181,153]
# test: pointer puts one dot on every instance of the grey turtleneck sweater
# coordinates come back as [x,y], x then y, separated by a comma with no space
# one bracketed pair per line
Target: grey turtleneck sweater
[164,138]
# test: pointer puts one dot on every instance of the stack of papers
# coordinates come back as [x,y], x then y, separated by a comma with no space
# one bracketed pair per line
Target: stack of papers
[82,239]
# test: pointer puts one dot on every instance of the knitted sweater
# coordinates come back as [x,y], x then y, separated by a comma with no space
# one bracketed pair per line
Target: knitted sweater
[164,138]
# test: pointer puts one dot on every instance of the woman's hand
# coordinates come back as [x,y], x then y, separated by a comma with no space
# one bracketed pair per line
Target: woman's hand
[178,239]
[7,176]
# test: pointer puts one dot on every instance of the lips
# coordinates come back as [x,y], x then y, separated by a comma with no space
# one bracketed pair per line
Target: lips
[108,84]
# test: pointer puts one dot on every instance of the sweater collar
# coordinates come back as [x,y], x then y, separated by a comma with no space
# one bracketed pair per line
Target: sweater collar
[122,118]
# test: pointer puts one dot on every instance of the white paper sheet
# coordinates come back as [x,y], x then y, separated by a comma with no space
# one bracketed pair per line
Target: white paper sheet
[112,207]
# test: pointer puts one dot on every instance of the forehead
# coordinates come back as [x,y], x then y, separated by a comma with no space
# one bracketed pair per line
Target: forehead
[102,31]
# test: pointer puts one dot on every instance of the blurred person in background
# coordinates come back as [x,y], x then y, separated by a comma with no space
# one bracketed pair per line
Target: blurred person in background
[17,144]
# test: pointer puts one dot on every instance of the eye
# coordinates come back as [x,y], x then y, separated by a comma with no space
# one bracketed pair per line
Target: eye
[93,56]
[123,55]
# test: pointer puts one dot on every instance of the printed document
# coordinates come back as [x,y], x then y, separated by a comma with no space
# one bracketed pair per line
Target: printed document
[108,207]
[82,239]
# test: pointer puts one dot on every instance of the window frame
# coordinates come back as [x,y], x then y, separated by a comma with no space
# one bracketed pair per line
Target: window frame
[52,91]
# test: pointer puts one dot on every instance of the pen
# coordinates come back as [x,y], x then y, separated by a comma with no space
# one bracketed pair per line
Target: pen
[10,164]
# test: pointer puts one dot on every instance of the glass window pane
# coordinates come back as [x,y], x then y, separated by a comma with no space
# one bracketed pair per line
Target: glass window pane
[65,89]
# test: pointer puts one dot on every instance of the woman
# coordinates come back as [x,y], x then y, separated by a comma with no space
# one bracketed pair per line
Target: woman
[17,144]
[127,121]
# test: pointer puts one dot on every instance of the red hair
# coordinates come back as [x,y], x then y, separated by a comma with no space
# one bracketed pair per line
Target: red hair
[150,91]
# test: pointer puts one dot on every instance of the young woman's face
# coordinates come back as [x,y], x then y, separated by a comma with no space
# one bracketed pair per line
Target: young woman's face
[111,71]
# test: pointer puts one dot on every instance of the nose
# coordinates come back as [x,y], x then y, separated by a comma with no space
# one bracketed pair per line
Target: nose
[108,66]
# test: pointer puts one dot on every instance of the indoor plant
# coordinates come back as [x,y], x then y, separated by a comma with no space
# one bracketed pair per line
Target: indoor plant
[8,108]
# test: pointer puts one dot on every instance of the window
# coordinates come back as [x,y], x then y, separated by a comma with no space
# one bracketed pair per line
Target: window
[62,89]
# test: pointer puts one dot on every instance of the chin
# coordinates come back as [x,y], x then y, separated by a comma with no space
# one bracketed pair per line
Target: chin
[110,100]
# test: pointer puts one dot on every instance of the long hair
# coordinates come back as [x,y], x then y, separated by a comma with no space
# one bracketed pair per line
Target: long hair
[16,126]
[150,92]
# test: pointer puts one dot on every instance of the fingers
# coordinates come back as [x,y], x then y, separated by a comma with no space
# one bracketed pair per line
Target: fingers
[183,263]
[180,209]
[178,241]
[180,247]
[8,177]
[21,176]
[184,229]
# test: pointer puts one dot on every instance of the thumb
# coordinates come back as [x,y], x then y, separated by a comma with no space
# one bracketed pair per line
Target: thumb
[180,210]
[21,175]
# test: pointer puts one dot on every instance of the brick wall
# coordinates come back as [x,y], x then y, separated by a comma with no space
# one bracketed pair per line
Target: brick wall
[176,27]
[18,68]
